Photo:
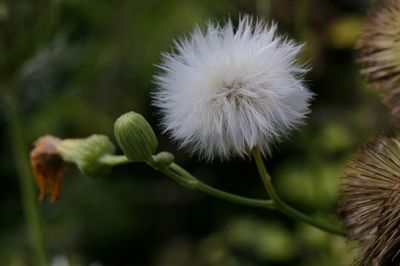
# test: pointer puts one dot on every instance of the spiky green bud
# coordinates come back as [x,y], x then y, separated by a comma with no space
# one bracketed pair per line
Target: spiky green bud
[135,136]
[86,153]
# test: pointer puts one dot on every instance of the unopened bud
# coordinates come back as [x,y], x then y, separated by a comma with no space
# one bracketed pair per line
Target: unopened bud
[86,153]
[164,158]
[135,136]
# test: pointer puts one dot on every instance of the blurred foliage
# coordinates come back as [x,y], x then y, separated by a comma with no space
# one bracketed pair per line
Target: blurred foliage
[75,66]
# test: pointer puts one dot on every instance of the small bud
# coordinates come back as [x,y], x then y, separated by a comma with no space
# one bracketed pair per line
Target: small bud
[164,158]
[86,153]
[135,136]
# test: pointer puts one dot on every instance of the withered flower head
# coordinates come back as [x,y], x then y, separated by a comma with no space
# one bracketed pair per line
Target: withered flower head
[48,166]
[87,154]
[370,202]
[380,51]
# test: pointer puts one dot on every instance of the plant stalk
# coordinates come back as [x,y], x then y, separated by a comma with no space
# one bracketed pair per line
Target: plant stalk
[29,199]
[184,178]
[187,180]
[281,206]
[198,185]
[114,159]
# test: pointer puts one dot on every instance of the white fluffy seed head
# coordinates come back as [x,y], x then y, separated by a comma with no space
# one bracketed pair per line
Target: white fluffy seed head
[224,91]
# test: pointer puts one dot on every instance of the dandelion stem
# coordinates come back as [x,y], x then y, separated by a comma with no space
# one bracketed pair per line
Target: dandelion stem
[281,206]
[184,178]
[29,199]
[198,185]
[187,180]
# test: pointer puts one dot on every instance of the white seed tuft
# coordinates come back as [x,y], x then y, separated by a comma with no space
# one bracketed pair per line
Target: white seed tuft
[226,90]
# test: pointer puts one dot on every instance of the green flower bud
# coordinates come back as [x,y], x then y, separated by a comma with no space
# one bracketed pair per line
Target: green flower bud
[135,136]
[164,158]
[87,153]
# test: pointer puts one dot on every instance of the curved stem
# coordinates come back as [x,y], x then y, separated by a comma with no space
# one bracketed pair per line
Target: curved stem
[184,178]
[282,206]
[180,175]
[219,193]
[187,180]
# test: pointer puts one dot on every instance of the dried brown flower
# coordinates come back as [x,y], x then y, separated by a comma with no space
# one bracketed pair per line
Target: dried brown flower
[370,202]
[380,51]
[48,166]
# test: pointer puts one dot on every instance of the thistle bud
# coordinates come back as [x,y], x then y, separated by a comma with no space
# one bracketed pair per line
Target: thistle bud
[164,158]
[135,136]
[87,153]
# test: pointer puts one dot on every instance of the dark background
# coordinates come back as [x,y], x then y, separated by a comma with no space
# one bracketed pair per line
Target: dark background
[75,66]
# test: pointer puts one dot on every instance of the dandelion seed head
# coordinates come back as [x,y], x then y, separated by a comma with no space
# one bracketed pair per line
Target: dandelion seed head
[223,91]
[370,202]
[379,47]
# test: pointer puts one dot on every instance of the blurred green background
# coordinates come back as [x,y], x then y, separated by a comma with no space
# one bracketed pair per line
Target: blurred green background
[75,66]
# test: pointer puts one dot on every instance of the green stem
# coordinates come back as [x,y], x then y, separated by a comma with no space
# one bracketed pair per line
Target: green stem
[114,159]
[178,174]
[219,193]
[29,198]
[184,178]
[187,180]
[281,206]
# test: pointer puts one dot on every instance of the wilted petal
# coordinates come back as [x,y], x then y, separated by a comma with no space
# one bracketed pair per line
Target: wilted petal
[48,166]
